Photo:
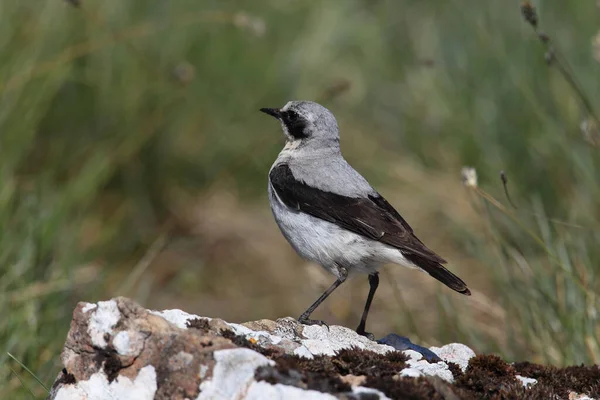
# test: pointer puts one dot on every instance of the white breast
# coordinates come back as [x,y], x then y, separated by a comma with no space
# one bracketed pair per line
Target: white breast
[327,244]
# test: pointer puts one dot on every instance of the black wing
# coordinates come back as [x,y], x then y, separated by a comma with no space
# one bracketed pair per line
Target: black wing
[372,217]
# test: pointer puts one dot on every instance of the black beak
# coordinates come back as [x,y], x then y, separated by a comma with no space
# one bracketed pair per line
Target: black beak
[274,112]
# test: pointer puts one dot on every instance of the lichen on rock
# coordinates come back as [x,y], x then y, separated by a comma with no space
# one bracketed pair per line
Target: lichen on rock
[118,350]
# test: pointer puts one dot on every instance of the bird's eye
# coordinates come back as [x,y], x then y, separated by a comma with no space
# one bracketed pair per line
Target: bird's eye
[292,116]
[295,124]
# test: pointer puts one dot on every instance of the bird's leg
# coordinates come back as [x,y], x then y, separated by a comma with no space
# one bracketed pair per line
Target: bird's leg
[373,284]
[304,318]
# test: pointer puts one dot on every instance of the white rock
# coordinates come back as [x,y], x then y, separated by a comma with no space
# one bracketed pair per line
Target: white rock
[526,381]
[240,329]
[411,372]
[103,319]
[316,347]
[413,355]
[203,371]
[424,367]
[320,340]
[259,336]
[177,317]
[266,391]
[128,343]
[455,352]
[232,374]
[122,388]
[418,366]
[302,351]
[88,307]
[269,338]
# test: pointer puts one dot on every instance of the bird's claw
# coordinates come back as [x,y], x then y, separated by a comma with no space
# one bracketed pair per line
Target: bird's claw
[306,321]
[366,334]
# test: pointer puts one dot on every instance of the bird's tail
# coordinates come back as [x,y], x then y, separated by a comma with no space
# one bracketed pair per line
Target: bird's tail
[439,272]
[448,278]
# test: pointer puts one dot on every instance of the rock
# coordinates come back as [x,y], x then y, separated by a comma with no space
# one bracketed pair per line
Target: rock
[117,347]
[418,366]
[456,353]
[232,374]
[118,350]
[98,387]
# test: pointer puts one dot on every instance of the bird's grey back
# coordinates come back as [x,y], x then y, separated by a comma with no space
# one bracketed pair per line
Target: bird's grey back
[323,167]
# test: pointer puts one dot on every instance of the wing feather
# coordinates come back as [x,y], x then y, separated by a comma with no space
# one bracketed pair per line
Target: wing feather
[372,217]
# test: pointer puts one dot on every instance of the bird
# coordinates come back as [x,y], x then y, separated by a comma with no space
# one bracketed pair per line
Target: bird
[332,216]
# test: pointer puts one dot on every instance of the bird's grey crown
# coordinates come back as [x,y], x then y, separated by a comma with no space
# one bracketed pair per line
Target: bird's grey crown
[318,122]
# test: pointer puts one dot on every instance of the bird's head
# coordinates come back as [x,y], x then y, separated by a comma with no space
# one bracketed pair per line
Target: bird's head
[305,121]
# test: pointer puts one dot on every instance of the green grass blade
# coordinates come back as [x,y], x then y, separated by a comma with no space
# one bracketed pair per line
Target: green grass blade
[29,371]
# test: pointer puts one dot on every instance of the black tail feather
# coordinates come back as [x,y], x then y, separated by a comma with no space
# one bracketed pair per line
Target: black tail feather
[439,272]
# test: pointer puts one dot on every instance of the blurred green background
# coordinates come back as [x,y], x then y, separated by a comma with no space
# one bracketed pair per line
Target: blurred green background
[133,161]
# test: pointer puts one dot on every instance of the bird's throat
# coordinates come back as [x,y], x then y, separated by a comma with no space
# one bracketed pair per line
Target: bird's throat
[292,144]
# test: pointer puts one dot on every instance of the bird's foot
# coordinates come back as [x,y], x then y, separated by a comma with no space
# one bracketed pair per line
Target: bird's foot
[361,331]
[368,335]
[403,343]
[306,321]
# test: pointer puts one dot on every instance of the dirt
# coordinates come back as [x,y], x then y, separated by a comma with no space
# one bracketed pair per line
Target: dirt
[201,324]
[580,379]
[109,360]
[486,377]
[66,378]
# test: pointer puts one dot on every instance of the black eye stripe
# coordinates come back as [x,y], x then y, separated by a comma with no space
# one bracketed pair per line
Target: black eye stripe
[295,124]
